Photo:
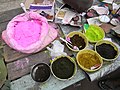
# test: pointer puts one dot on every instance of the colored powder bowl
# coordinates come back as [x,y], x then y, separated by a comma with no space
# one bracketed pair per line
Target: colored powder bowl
[94,33]
[77,39]
[40,72]
[89,60]
[63,67]
[107,50]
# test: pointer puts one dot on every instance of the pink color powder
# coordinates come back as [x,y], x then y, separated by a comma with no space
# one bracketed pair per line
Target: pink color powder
[27,33]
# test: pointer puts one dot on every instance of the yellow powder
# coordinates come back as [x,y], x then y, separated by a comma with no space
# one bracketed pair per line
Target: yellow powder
[88,60]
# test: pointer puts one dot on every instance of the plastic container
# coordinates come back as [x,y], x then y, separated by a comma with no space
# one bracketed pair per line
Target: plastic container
[40,72]
[107,51]
[89,60]
[63,67]
[94,33]
[71,34]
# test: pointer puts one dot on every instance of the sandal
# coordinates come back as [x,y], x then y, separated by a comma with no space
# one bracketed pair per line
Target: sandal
[110,84]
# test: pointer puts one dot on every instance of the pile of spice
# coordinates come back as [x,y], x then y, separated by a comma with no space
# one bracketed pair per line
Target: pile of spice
[88,60]
[40,72]
[63,68]
[106,51]
[78,41]
[94,33]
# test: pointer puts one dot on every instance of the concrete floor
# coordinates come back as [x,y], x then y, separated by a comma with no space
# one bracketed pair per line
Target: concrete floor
[6,5]
[85,84]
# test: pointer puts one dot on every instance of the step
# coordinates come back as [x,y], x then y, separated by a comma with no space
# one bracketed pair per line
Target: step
[7,5]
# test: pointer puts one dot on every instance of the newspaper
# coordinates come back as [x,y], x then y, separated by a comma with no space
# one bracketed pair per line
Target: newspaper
[66,15]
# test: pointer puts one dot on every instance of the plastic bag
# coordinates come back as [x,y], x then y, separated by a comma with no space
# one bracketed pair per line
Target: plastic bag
[57,49]
[29,33]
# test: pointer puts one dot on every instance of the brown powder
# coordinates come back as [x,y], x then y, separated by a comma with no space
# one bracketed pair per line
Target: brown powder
[78,41]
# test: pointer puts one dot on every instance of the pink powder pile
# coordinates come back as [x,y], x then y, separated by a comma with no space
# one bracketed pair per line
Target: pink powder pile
[27,33]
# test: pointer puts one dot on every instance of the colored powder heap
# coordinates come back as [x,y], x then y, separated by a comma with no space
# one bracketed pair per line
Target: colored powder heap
[94,33]
[106,51]
[27,33]
[63,68]
[88,60]
[78,41]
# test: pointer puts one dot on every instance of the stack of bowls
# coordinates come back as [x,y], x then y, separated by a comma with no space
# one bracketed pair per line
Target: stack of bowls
[63,67]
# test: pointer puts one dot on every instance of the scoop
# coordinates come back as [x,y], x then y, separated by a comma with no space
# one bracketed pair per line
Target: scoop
[23,7]
[74,47]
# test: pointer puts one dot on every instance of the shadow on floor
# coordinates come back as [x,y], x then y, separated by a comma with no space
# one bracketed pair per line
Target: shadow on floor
[85,84]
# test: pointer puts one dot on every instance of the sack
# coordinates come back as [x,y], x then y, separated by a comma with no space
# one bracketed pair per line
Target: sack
[79,5]
[29,33]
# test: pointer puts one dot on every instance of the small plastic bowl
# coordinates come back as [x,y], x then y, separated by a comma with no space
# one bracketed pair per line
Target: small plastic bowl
[92,56]
[40,72]
[93,32]
[59,60]
[112,44]
[71,34]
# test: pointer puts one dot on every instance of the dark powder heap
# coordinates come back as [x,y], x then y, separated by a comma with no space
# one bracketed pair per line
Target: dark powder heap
[106,51]
[63,68]
[78,41]
[41,73]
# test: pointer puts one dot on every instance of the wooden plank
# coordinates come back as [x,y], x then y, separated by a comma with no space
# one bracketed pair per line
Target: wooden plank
[5,17]
[12,55]
[3,27]
[23,66]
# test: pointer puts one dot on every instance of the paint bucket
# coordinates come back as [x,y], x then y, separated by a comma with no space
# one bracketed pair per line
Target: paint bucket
[77,39]
[89,60]
[107,50]
[63,67]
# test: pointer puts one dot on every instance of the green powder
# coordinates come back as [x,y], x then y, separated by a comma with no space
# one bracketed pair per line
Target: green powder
[94,33]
